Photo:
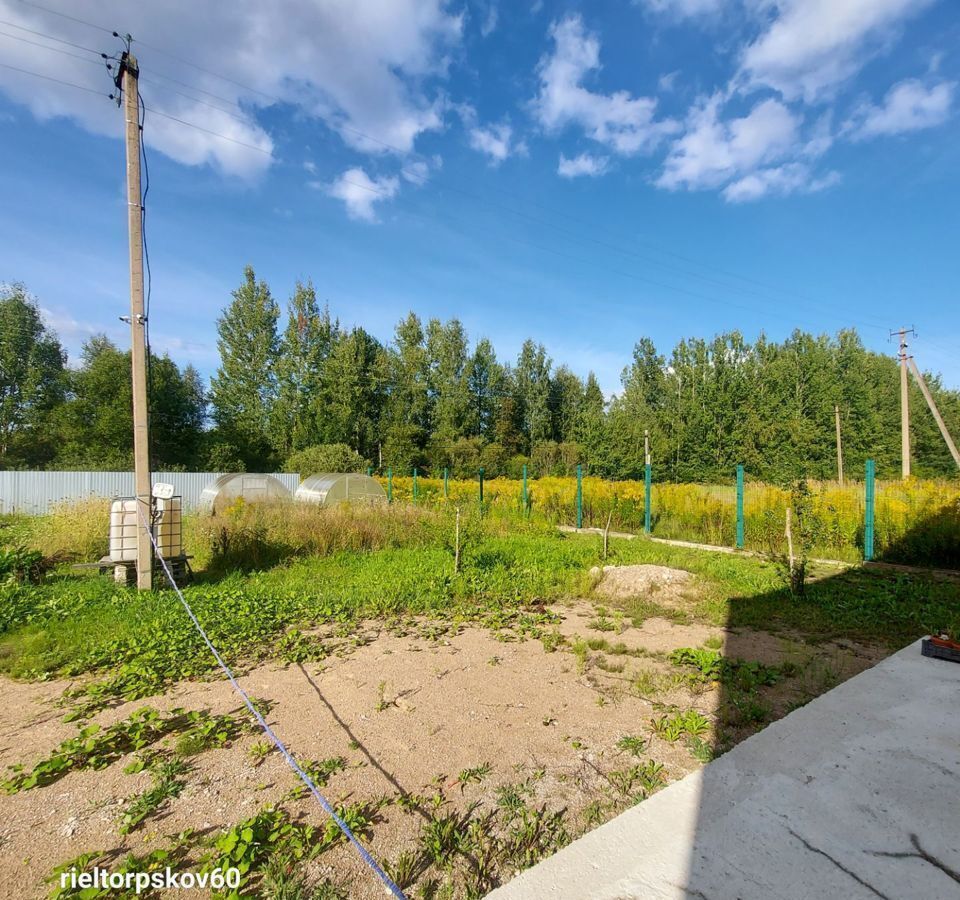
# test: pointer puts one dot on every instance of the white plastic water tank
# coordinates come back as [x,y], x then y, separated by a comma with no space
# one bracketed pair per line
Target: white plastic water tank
[168,530]
[123,530]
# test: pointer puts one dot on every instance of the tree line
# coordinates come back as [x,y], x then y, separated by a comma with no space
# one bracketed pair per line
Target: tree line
[297,388]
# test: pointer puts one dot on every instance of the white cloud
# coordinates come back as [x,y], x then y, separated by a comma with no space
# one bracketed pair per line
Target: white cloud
[667,82]
[489,24]
[359,192]
[789,178]
[624,123]
[908,106]
[584,164]
[812,46]
[366,67]
[495,140]
[712,151]
[683,9]
[416,172]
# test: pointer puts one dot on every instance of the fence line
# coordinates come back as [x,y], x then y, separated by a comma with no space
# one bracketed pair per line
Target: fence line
[37,492]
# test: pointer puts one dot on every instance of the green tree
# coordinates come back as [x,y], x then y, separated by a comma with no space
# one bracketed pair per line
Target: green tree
[325,458]
[304,350]
[408,404]
[353,398]
[486,381]
[244,389]
[31,380]
[532,392]
[94,426]
[447,379]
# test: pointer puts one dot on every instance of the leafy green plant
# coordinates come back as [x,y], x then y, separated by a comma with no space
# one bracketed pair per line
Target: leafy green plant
[206,731]
[632,744]
[407,867]
[700,749]
[709,665]
[95,748]
[251,843]
[259,751]
[638,781]
[689,722]
[21,564]
[474,775]
[167,784]
[320,772]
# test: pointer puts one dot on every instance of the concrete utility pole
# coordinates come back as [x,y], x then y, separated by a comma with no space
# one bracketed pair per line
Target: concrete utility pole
[836,415]
[936,412]
[129,78]
[904,404]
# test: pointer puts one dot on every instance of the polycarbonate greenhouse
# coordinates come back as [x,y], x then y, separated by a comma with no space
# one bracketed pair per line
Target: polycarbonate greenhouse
[252,487]
[331,488]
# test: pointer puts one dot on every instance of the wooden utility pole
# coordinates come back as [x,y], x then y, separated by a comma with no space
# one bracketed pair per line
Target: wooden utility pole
[129,78]
[936,412]
[904,404]
[836,415]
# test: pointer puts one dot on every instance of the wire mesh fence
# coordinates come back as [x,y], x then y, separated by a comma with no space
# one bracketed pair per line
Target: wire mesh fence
[916,522]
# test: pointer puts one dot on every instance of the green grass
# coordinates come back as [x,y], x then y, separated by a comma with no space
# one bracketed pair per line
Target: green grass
[139,644]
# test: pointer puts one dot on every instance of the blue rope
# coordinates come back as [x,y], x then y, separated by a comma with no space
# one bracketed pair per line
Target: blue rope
[304,777]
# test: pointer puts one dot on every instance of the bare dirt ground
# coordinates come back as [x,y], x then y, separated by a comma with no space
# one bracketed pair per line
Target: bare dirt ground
[409,711]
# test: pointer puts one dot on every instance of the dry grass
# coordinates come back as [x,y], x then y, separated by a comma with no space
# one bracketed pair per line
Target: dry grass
[76,531]
[253,536]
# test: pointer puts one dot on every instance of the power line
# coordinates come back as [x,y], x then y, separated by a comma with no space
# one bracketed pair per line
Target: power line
[217,134]
[24,40]
[49,37]
[63,15]
[72,84]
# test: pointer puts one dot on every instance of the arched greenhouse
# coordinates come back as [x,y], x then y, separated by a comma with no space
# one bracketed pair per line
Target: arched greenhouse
[252,487]
[331,488]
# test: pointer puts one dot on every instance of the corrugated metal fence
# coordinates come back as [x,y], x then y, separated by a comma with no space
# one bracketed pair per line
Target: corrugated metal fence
[37,492]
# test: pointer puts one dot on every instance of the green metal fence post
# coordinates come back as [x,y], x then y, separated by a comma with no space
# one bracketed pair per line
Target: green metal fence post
[646,498]
[414,485]
[579,497]
[868,513]
[446,484]
[481,484]
[523,495]
[739,507]
[389,485]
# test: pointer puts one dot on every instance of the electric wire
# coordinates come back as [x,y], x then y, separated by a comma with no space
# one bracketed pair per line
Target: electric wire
[71,84]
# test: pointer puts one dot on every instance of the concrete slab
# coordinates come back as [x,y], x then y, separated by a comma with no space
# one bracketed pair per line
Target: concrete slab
[855,795]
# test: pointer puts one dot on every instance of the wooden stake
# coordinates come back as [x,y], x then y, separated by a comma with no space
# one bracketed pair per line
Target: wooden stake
[606,533]
[456,551]
[138,325]
[789,534]
[836,413]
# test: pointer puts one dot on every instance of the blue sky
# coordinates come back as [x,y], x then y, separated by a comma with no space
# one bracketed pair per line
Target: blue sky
[585,174]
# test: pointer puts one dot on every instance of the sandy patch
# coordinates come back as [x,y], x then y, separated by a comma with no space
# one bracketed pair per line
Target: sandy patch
[408,710]
[661,584]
